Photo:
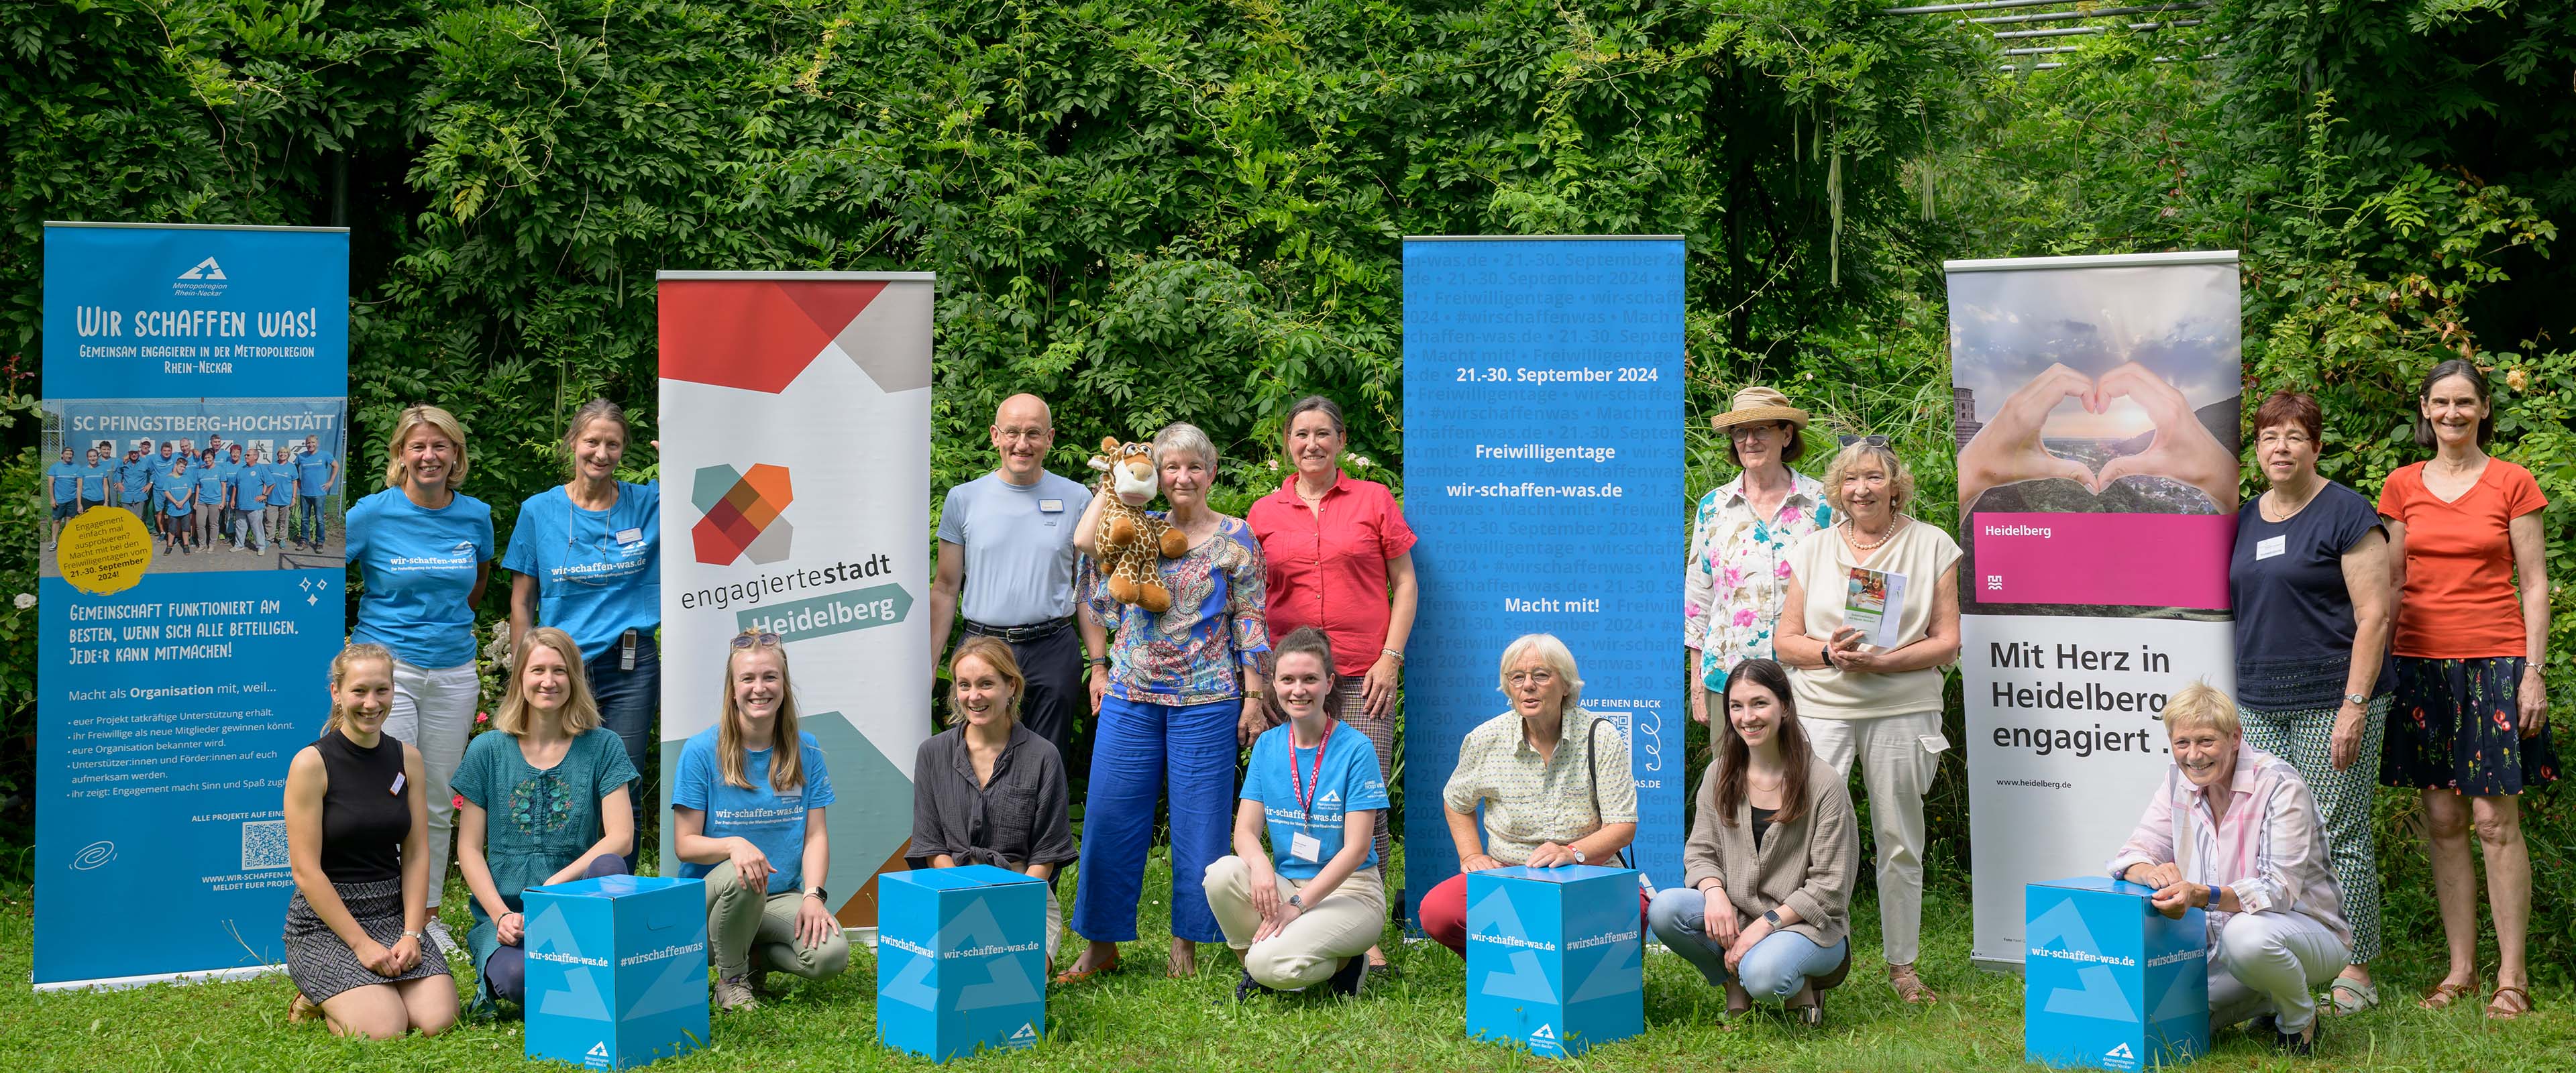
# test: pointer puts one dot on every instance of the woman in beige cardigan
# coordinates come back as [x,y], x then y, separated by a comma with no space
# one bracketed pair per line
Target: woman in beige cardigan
[1770,860]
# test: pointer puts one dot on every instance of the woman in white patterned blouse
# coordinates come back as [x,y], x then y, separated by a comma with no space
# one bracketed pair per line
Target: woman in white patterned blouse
[1738,565]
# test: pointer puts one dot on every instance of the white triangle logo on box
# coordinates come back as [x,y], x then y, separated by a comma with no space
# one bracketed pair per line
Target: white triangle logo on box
[1028,1032]
[598,1050]
[1544,1033]
[2121,1051]
[206,269]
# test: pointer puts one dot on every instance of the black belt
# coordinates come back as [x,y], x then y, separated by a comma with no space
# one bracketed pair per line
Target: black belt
[1020,634]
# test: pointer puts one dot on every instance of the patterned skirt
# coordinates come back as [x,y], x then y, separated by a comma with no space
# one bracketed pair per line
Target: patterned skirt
[2457,726]
[323,966]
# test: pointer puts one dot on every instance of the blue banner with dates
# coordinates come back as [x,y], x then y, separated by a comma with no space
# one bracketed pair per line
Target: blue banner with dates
[190,587]
[1543,473]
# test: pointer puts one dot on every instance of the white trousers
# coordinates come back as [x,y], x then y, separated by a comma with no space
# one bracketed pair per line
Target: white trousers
[1898,754]
[433,712]
[1342,926]
[2272,963]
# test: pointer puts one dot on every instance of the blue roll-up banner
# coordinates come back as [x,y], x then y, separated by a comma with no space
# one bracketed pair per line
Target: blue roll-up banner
[174,683]
[1543,473]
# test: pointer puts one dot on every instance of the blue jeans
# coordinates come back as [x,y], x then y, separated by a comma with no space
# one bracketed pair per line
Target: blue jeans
[308,512]
[1772,971]
[627,707]
[1136,749]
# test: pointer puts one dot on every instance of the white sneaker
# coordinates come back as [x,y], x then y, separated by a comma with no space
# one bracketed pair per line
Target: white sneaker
[734,993]
[437,930]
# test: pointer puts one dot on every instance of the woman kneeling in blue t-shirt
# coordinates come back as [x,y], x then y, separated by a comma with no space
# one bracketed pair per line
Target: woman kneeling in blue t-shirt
[750,823]
[1307,911]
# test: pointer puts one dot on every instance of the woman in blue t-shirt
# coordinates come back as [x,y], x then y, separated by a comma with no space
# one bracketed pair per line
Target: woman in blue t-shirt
[425,550]
[64,479]
[214,499]
[177,489]
[545,803]
[1306,911]
[586,555]
[2309,580]
[748,819]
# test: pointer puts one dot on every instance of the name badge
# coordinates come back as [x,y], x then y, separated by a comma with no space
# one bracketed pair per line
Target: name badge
[398,783]
[1050,506]
[629,536]
[2271,546]
[1305,847]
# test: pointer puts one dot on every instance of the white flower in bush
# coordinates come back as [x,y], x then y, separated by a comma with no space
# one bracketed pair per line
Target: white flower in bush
[26,600]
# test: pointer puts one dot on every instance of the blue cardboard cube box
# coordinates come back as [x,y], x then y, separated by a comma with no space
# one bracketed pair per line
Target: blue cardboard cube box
[2108,982]
[1555,958]
[961,960]
[617,970]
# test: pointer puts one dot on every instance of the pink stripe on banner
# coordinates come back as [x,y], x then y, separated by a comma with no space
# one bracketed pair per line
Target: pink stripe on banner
[2131,560]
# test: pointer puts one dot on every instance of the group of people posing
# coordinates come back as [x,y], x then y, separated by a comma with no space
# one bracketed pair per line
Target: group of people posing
[191,497]
[2263,820]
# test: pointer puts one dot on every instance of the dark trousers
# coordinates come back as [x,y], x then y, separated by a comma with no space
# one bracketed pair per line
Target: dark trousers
[506,971]
[1058,694]
[627,704]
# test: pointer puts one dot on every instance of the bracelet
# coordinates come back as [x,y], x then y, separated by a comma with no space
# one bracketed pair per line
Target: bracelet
[1399,656]
[415,935]
[1095,661]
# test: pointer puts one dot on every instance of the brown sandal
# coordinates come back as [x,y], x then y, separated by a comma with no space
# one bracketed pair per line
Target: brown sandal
[301,1009]
[2499,1010]
[1910,987]
[2443,994]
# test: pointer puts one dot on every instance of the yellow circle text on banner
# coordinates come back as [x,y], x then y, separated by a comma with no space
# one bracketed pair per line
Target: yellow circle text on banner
[103,551]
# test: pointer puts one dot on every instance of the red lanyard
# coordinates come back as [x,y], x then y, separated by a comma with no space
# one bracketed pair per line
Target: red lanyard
[1305,791]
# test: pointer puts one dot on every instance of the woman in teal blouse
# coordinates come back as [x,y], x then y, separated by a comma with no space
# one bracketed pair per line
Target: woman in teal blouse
[545,802]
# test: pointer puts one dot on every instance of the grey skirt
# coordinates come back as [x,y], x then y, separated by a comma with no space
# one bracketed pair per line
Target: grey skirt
[323,966]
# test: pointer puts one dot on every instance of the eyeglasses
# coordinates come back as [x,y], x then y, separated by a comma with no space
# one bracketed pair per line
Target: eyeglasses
[747,639]
[1531,678]
[1866,441]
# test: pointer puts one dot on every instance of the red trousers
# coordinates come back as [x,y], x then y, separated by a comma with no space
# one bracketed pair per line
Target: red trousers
[1444,913]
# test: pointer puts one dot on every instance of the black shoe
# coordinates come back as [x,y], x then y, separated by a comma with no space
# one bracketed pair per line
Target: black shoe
[1246,987]
[2292,1043]
[1347,979]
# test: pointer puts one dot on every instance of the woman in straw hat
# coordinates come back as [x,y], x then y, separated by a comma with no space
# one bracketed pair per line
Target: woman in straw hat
[1738,565]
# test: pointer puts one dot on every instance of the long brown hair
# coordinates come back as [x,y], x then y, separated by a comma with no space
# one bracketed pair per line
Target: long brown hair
[786,744]
[1734,757]
[1312,642]
[580,712]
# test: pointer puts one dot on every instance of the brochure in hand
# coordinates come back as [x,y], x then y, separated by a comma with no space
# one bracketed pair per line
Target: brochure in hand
[1873,605]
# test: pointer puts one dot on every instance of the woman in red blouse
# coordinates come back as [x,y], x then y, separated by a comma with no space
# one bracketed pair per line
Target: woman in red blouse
[2469,728]
[1340,559]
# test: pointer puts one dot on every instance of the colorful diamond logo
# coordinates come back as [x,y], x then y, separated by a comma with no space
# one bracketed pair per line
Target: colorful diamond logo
[740,514]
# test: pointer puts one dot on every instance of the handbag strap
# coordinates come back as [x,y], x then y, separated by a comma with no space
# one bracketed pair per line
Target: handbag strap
[1592,760]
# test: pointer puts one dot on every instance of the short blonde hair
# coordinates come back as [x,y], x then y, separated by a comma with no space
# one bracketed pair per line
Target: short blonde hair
[2200,706]
[580,712]
[396,471]
[1900,477]
[1552,653]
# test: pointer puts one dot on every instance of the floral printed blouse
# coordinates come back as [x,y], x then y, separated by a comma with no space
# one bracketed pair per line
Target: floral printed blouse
[1196,652]
[1738,569]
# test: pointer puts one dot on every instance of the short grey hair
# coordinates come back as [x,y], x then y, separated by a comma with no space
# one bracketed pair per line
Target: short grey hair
[1553,654]
[1186,437]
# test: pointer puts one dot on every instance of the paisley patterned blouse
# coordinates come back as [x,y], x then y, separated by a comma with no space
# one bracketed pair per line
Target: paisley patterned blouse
[1737,570]
[1194,653]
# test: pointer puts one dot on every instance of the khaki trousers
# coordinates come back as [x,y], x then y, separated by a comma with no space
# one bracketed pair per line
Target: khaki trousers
[1344,925]
[742,921]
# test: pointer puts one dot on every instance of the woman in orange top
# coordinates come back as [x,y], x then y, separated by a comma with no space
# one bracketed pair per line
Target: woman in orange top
[2469,730]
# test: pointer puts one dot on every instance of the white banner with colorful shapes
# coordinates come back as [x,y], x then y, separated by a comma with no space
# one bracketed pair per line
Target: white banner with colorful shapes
[795,429]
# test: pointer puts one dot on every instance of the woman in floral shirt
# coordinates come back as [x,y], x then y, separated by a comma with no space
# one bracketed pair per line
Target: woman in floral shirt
[1180,695]
[1741,536]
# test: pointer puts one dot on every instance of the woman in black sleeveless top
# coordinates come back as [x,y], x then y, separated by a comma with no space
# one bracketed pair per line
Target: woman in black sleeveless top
[355,828]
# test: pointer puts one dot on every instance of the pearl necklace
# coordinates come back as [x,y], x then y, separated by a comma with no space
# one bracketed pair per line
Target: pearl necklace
[1852,533]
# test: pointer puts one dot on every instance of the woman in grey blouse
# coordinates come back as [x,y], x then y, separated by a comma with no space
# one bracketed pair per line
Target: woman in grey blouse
[1769,861]
[987,790]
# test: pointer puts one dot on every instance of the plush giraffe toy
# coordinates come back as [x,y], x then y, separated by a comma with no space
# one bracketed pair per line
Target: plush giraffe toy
[1130,539]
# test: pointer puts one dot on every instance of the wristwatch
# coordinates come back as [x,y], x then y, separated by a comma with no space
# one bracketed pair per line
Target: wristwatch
[817,894]
[1298,900]
[1578,854]
[416,935]
[1771,917]
[2358,700]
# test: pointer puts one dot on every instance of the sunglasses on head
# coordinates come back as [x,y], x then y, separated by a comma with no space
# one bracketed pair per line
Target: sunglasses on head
[1871,441]
[747,639]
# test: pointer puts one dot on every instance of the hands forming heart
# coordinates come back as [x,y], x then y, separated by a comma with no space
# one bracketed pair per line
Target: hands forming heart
[2008,449]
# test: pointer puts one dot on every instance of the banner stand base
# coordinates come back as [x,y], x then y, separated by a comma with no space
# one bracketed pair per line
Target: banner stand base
[1998,966]
[203,976]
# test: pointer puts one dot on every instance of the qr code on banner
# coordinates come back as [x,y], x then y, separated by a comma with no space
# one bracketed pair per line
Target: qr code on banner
[264,844]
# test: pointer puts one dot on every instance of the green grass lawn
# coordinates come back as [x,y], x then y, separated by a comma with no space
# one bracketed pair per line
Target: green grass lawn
[1137,1019]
